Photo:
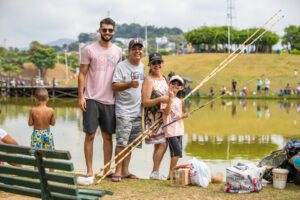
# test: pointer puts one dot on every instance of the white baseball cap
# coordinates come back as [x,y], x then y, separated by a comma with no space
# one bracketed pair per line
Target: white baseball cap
[177,78]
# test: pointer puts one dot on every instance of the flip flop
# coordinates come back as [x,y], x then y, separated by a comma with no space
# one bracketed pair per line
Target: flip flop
[131,176]
[116,178]
[110,175]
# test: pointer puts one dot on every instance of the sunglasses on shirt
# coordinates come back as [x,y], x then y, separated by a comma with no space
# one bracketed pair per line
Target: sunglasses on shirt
[105,30]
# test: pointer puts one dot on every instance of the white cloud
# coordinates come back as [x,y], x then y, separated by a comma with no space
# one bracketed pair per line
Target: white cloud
[24,21]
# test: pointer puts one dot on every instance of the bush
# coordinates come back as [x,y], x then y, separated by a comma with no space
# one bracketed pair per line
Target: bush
[295,52]
[164,52]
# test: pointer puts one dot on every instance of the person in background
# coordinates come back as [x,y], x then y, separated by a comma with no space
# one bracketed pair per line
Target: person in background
[267,85]
[41,117]
[95,94]
[259,84]
[172,110]
[298,89]
[233,85]
[211,92]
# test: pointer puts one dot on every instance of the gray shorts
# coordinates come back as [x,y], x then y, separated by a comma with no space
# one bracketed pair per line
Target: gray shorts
[127,130]
[98,114]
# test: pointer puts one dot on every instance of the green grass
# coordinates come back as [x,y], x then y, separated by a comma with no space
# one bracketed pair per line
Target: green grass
[278,68]
[149,189]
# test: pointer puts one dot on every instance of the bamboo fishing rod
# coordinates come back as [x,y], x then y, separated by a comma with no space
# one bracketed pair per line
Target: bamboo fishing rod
[218,69]
[213,73]
[244,43]
[153,126]
[145,135]
[207,103]
[135,143]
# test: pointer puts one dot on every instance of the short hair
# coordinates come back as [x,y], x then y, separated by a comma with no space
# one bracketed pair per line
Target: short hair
[108,21]
[41,94]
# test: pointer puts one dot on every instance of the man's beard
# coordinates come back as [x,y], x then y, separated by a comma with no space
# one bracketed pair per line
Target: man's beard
[106,40]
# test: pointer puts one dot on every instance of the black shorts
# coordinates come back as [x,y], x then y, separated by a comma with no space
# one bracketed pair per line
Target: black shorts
[175,144]
[98,114]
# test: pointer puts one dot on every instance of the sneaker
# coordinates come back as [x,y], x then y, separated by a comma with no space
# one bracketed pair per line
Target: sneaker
[157,176]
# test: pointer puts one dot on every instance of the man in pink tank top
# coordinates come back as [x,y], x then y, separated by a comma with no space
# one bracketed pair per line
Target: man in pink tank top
[96,98]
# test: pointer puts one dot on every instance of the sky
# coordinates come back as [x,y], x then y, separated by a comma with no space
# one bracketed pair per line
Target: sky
[22,21]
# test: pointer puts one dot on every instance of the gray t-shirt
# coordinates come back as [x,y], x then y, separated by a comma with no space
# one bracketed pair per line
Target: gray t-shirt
[129,102]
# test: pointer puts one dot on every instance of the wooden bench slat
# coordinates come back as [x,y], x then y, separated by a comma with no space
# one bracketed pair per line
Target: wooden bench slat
[32,183]
[57,154]
[30,173]
[37,193]
[100,193]
[25,160]
[20,190]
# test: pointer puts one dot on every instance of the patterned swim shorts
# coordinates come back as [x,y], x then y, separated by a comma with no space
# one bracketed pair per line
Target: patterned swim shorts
[42,139]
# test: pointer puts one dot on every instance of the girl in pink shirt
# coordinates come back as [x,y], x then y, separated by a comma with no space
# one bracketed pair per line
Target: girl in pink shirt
[172,111]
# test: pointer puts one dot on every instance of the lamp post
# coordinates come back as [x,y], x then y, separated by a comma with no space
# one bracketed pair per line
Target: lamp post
[66,64]
[80,45]
[146,39]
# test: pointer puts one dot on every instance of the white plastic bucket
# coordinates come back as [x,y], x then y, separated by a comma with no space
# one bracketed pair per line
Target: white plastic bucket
[279,178]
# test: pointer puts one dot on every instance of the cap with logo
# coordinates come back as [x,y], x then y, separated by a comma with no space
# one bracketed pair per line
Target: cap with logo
[136,41]
[155,57]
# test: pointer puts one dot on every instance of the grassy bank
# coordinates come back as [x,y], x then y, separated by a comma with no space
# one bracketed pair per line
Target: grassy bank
[149,189]
[278,68]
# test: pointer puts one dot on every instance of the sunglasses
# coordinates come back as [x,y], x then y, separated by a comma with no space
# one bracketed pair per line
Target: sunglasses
[156,63]
[105,30]
[176,83]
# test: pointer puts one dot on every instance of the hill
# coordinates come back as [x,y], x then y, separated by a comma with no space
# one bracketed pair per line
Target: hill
[61,42]
[278,68]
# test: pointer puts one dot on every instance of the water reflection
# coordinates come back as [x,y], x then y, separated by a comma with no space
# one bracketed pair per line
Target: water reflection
[246,147]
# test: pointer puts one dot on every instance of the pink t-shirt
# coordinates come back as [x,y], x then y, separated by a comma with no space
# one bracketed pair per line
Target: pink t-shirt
[102,62]
[177,128]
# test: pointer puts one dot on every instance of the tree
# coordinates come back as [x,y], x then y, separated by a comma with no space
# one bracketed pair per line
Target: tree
[12,60]
[72,59]
[42,56]
[292,36]
[209,38]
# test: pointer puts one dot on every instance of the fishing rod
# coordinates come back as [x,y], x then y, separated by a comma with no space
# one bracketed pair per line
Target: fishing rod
[146,134]
[152,127]
[213,73]
[231,57]
[207,103]
[133,145]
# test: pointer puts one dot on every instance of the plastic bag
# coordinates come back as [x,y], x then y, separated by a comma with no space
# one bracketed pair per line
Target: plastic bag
[199,173]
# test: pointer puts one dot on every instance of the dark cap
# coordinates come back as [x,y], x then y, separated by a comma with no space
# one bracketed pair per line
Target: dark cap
[155,57]
[134,42]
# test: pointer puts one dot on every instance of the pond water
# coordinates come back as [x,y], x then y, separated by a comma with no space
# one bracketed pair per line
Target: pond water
[222,134]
